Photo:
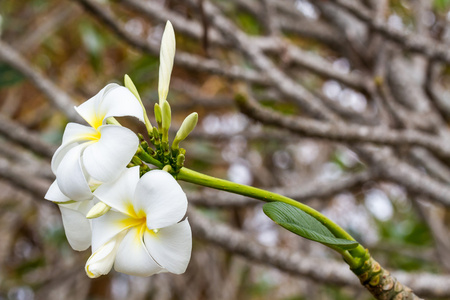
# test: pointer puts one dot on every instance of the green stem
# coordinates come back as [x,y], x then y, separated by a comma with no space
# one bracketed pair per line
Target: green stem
[142,154]
[353,257]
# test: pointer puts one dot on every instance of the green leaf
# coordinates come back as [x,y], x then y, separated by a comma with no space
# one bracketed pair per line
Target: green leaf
[9,76]
[303,224]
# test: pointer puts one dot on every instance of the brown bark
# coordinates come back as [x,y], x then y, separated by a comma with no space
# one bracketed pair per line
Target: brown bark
[381,283]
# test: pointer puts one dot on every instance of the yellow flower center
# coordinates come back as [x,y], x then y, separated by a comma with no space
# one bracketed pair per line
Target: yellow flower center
[97,121]
[93,136]
[139,220]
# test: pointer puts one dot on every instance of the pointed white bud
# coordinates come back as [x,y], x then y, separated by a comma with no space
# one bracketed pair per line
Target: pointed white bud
[98,210]
[166,56]
[129,84]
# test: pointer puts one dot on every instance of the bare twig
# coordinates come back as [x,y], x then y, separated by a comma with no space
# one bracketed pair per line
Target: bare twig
[184,59]
[277,78]
[341,131]
[24,137]
[409,41]
[57,96]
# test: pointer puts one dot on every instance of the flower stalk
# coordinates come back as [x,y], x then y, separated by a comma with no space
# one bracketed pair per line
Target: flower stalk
[353,257]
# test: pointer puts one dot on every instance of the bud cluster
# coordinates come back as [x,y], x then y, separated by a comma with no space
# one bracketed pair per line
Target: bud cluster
[162,153]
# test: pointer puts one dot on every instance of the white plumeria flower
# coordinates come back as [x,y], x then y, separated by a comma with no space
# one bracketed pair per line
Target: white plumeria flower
[98,153]
[77,227]
[144,233]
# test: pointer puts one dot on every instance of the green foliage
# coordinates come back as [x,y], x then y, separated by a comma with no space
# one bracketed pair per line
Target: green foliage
[94,44]
[144,71]
[441,5]
[406,227]
[338,159]
[282,107]
[302,224]
[408,232]
[40,5]
[56,237]
[337,293]
[30,265]
[9,76]
[248,24]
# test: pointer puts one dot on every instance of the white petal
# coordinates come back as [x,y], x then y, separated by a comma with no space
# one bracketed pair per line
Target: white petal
[119,102]
[132,257]
[77,227]
[160,196]
[102,260]
[171,247]
[59,155]
[166,56]
[77,133]
[119,193]
[70,175]
[90,109]
[54,194]
[74,134]
[108,226]
[107,158]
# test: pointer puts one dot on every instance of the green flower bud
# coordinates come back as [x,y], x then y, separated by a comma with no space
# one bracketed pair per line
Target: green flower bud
[136,160]
[144,145]
[185,129]
[166,120]
[158,116]
[167,168]
[156,140]
[180,160]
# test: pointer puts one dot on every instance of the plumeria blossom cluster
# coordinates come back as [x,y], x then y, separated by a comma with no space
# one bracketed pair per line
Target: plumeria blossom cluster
[132,217]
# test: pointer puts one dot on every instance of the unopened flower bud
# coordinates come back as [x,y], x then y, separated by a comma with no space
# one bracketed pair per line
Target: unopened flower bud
[166,56]
[158,116]
[130,85]
[144,145]
[167,168]
[156,139]
[98,210]
[136,160]
[166,120]
[185,129]
[180,160]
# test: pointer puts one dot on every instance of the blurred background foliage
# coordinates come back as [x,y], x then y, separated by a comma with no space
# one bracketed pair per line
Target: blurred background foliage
[81,55]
